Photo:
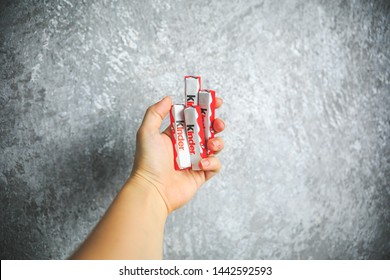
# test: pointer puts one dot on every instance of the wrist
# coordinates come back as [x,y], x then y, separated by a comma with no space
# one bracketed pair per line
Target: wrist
[149,192]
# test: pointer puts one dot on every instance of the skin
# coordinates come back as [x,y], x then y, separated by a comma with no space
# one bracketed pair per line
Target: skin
[133,226]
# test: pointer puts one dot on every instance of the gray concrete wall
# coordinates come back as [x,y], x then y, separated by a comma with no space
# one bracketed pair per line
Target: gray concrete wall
[307,96]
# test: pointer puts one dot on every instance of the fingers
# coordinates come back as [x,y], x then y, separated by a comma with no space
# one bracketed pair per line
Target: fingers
[218,102]
[155,115]
[216,145]
[218,125]
[210,164]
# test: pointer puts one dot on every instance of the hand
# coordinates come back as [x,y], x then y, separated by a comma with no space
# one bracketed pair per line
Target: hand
[154,168]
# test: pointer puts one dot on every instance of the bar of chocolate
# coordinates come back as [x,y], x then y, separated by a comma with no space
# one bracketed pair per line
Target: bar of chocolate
[181,154]
[207,107]
[191,87]
[195,135]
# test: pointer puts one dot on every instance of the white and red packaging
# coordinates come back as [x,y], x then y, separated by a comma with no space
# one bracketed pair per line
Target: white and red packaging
[181,153]
[207,107]
[195,135]
[192,85]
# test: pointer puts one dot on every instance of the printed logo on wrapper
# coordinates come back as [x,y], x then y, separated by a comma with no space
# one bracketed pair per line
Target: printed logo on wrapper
[192,125]
[181,154]
[195,135]
[207,105]
[192,86]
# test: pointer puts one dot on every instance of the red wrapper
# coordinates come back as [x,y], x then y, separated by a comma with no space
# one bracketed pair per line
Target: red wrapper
[195,135]
[191,87]
[181,154]
[207,107]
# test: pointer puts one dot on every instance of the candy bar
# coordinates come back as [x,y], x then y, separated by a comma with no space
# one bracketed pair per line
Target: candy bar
[181,154]
[191,88]
[207,107]
[195,135]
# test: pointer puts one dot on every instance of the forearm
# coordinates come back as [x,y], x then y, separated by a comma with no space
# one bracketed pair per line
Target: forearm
[132,228]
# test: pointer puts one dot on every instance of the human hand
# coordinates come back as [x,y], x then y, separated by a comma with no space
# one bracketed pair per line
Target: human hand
[153,165]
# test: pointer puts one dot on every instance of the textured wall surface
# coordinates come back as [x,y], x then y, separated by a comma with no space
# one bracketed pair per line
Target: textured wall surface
[306,86]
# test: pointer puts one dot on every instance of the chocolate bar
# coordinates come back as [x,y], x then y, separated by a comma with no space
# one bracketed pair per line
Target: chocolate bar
[191,87]
[195,135]
[181,152]
[207,107]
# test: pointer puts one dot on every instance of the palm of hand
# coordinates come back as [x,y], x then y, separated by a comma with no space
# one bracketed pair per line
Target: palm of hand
[155,164]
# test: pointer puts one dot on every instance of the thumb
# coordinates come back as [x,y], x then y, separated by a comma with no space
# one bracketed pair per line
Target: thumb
[155,115]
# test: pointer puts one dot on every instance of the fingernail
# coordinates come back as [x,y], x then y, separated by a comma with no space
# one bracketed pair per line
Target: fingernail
[205,162]
[216,145]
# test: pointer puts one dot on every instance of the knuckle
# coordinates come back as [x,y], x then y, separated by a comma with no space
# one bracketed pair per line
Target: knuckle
[149,110]
[216,164]
[221,143]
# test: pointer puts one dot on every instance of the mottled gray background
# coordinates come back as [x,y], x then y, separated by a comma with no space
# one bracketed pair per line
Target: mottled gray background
[306,86]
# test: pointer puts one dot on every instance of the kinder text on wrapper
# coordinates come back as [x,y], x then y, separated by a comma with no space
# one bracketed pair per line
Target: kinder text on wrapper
[192,124]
